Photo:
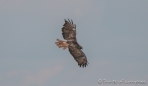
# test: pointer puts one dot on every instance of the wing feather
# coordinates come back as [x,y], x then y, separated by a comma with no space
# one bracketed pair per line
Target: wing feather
[68,30]
[78,55]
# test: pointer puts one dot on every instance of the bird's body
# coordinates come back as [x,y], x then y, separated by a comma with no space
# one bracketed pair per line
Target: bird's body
[69,34]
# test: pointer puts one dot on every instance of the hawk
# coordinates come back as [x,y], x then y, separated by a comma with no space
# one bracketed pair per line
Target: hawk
[69,34]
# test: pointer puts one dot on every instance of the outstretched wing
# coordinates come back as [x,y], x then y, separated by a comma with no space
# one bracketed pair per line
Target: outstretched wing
[78,55]
[69,32]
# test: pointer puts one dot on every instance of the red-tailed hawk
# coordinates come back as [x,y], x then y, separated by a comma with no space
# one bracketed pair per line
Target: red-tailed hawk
[69,34]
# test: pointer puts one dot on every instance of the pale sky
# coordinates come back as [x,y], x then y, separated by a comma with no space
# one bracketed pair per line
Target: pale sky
[113,33]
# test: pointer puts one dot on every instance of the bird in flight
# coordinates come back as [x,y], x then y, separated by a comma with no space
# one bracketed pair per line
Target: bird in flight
[69,34]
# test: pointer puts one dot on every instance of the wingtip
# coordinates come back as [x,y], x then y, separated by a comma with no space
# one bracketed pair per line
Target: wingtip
[83,65]
[75,26]
[71,21]
[68,20]
[65,20]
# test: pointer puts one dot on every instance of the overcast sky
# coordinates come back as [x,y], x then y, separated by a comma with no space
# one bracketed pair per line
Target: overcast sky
[113,33]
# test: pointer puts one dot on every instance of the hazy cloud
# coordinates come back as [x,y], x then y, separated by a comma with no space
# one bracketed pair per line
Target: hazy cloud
[40,77]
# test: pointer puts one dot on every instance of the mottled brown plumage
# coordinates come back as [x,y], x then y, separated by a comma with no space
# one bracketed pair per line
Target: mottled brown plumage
[69,34]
